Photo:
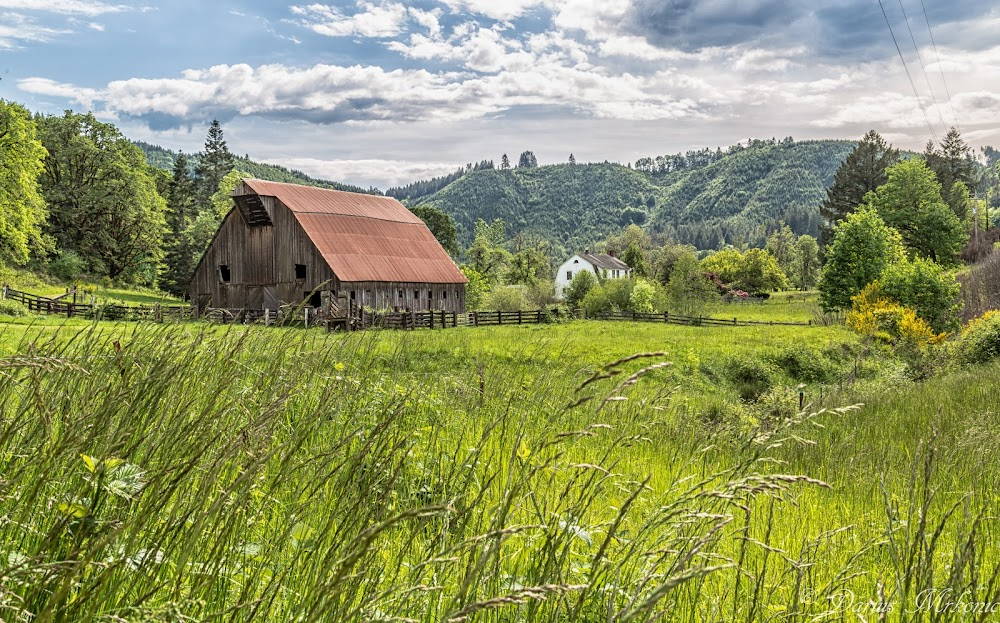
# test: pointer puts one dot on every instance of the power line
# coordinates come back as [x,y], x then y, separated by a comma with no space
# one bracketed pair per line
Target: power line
[923,67]
[913,86]
[940,67]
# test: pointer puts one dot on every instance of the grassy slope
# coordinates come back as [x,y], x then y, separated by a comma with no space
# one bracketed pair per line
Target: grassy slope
[471,418]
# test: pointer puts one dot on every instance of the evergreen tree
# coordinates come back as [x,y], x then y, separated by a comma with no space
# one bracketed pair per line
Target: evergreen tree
[504,163]
[182,210]
[861,172]
[572,159]
[953,164]
[527,160]
[213,164]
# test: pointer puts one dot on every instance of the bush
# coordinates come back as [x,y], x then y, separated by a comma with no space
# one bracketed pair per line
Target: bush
[12,308]
[927,289]
[752,377]
[804,364]
[980,340]
[507,298]
[68,266]
[583,282]
[641,298]
[614,295]
[876,316]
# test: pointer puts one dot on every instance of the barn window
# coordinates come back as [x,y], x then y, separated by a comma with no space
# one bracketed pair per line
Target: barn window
[401,295]
[300,271]
[444,294]
[224,274]
[430,295]
[353,295]
[416,295]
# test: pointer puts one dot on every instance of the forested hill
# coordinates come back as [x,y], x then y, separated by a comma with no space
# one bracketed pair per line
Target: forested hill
[706,198]
[164,159]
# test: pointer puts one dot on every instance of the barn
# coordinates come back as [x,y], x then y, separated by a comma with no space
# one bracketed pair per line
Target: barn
[286,244]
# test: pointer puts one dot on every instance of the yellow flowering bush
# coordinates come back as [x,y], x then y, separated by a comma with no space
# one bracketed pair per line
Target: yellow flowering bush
[879,317]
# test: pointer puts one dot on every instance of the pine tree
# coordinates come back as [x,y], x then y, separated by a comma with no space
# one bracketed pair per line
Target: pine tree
[213,164]
[527,160]
[572,159]
[861,172]
[181,212]
[504,163]
[953,163]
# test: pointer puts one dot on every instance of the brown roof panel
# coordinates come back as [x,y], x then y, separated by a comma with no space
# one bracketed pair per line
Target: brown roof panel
[309,199]
[366,249]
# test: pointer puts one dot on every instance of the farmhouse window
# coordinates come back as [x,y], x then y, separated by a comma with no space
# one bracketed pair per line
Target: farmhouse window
[300,271]
[569,275]
[576,261]
[224,274]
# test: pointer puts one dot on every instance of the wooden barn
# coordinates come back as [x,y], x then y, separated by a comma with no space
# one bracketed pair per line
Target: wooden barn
[288,244]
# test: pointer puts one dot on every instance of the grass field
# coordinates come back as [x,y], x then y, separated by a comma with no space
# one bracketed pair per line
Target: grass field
[192,472]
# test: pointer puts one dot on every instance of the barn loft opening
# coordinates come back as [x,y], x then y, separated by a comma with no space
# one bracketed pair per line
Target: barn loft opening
[300,271]
[252,209]
[225,275]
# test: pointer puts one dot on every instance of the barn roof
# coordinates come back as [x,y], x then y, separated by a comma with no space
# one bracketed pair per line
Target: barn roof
[365,237]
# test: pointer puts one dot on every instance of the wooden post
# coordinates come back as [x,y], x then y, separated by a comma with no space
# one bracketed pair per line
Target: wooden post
[475,318]
[454,319]
[666,316]
[443,323]
[432,318]
[306,317]
[519,316]
[734,322]
[802,400]
[499,317]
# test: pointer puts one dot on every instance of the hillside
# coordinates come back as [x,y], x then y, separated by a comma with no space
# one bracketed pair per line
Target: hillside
[162,158]
[704,198]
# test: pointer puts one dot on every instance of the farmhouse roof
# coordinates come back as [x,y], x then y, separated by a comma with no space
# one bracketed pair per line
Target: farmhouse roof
[607,262]
[365,237]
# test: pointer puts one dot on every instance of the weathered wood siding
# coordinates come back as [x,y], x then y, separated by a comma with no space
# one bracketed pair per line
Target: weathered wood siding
[262,259]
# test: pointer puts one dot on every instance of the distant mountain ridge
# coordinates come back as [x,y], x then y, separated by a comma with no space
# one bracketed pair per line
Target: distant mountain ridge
[709,198]
[163,158]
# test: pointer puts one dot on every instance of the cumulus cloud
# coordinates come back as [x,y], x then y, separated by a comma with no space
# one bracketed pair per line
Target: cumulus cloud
[504,10]
[380,21]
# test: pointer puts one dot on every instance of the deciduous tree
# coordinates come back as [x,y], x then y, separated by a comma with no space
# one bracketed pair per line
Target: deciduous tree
[22,209]
[863,246]
[440,224]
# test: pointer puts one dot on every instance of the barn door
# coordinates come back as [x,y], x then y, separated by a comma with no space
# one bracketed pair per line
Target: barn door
[270,297]
[255,297]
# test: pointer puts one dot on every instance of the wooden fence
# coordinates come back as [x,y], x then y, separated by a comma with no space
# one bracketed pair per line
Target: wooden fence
[106,311]
[360,318]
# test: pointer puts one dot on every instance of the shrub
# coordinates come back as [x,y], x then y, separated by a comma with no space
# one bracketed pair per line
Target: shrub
[925,287]
[752,377]
[980,340]
[641,298]
[68,265]
[876,316]
[507,298]
[12,308]
[804,364]
[583,282]
[614,295]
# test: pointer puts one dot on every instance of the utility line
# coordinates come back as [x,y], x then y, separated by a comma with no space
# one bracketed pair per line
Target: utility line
[923,68]
[940,67]
[913,86]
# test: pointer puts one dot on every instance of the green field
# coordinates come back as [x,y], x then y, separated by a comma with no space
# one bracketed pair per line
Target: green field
[195,472]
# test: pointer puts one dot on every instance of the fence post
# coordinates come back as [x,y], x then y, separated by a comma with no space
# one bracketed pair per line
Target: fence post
[454,319]
[432,318]
[444,324]
[519,316]
[5,291]
[734,322]
[499,317]
[666,316]
[475,318]
[306,317]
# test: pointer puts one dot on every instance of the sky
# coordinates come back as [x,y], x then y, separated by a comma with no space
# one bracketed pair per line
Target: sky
[381,93]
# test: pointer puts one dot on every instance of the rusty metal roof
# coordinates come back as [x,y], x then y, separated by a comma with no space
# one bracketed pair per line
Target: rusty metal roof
[365,237]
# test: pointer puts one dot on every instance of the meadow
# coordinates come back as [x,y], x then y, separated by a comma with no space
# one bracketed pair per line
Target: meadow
[587,471]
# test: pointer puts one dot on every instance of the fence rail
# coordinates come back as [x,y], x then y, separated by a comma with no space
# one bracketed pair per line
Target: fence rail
[359,318]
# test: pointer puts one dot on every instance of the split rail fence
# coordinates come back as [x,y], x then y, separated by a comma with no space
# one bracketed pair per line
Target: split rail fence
[107,311]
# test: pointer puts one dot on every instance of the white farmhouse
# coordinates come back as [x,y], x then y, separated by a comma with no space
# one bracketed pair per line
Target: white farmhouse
[607,266]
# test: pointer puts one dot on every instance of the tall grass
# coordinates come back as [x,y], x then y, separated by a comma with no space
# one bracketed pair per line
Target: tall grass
[176,473]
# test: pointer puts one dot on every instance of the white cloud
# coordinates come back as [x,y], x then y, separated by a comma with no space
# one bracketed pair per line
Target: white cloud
[380,21]
[368,172]
[494,9]
[16,29]
[43,86]
[65,7]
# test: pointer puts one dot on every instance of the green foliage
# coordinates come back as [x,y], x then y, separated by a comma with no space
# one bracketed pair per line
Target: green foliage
[750,375]
[477,288]
[22,209]
[487,255]
[688,292]
[863,247]
[781,245]
[980,340]
[507,298]
[636,259]
[642,297]
[807,264]
[612,295]
[911,203]
[441,225]
[527,160]
[12,308]
[102,198]
[925,287]
[862,171]
[530,264]
[67,265]
[212,164]
[955,170]
[667,257]
[755,271]
[583,282]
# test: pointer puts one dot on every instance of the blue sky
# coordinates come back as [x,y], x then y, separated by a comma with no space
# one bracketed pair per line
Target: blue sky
[381,92]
